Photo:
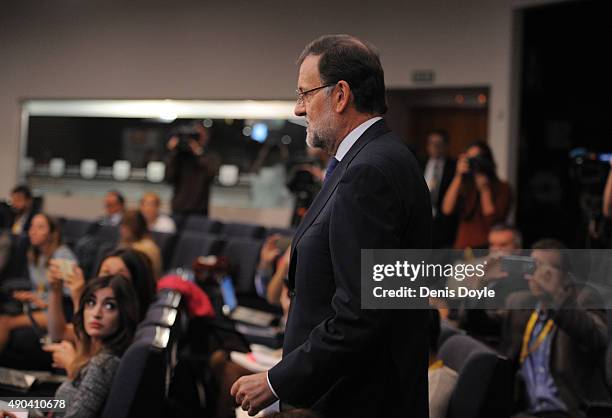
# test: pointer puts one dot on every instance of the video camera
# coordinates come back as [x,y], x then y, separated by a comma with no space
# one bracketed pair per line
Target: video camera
[590,168]
[185,135]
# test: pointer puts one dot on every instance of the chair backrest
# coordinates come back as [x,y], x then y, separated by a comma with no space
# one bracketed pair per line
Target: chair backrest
[160,315]
[17,263]
[484,385]
[243,255]
[609,366]
[447,331]
[138,387]
[200,223]
[166,243]
[168,297]
[243,230]
[73,229]
[191,245]
[108,234]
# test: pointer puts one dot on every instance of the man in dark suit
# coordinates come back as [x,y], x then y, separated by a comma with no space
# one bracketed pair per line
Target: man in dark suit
[21,210]
[439,170]
[341,360]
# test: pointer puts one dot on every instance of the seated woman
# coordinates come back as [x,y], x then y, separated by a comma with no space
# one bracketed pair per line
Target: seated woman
[131,264]
[45,248]
[135,234]
[104,325]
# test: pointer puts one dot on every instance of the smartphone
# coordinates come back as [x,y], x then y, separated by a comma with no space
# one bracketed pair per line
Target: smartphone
[66,267]
[518,264]
[228,293]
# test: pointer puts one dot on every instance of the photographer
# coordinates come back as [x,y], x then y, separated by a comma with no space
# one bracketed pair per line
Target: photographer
[477,195]
[190,170]
[556,335]
[305,182]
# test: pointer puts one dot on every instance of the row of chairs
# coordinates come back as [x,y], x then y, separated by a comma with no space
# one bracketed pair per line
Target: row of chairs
[485,382]
[74,228]
[143,381]
[199,236]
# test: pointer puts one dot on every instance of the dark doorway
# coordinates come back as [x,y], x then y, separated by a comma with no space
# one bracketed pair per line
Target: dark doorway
[566,103]
[462,112]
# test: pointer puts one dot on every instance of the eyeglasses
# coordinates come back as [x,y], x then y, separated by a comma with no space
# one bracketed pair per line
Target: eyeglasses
[301,95]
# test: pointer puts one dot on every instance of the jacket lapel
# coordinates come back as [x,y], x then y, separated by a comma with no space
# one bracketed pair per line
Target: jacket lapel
[329,186]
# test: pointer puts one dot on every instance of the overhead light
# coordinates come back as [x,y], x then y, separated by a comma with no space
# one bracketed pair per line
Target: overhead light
[260,132]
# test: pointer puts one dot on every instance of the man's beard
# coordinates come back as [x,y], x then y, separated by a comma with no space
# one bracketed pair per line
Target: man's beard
[322,136]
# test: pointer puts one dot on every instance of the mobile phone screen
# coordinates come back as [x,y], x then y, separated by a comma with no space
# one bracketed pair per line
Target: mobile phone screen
[228,293]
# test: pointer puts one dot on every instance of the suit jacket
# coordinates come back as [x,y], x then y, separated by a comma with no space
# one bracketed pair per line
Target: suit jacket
[340,360]
[444,226]
[578,346]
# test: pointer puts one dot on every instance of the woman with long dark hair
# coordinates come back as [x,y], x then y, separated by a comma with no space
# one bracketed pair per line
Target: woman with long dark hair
[130,263]
[479,197]
[104,324]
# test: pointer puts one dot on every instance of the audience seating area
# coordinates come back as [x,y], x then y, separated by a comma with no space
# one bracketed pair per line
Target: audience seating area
[484,385]
[196,236]
[164,371]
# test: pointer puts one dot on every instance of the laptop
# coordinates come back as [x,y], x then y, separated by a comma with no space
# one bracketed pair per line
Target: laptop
[238,313]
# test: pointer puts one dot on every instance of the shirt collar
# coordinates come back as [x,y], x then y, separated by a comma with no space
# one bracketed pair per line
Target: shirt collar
[353,136]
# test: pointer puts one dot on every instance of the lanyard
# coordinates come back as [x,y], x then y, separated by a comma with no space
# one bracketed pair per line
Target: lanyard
[525,349]
[437,365]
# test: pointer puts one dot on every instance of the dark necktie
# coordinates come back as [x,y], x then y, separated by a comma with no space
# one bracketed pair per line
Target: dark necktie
[330,168]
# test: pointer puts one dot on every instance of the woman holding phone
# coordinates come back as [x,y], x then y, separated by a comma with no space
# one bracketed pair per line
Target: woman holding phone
[45,248]
[129,263]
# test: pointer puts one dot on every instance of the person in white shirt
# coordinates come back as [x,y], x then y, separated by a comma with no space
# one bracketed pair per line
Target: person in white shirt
[438,170]
[114,207]
[156,221]
[442,379]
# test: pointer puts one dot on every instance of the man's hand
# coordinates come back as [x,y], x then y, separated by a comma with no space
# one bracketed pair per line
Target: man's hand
[493,269]
[549,279]
[482,181]
[252,393]
[172,143]
[269,251]
[462,167]
[195,147]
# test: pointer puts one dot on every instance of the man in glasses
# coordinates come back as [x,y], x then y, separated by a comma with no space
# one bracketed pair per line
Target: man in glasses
[558,344]
[341,360]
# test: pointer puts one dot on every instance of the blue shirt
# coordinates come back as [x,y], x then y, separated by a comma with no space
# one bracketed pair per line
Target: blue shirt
[542,392]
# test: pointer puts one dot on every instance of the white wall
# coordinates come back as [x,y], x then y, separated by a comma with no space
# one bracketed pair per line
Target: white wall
[241,49]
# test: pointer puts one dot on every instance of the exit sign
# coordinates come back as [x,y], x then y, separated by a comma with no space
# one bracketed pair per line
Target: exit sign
[423,76]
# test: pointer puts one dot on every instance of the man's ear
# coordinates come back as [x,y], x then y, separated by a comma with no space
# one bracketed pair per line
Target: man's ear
[343,95]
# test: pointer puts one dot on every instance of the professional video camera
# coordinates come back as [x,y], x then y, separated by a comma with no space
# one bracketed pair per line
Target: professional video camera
[590,168]
[304,186]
